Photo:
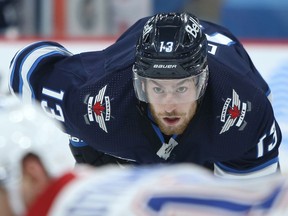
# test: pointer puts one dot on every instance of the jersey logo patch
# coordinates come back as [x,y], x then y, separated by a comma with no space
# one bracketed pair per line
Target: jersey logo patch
[233,113]
[98,109]
[166,149]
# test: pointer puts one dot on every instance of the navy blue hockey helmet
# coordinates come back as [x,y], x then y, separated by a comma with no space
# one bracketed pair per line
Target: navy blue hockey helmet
[172,47]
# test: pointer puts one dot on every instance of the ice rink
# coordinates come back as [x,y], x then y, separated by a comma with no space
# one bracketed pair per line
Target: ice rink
[271,59]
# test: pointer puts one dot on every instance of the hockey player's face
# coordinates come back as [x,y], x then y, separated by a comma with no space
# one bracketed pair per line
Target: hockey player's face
[171,105]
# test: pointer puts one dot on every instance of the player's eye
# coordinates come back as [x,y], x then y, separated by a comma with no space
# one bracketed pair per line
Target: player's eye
[181,89]
[158,90]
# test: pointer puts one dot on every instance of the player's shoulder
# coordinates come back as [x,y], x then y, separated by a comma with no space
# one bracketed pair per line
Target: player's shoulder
[36,54]
[34,60]
[225,50]
[211,29]
[39,50]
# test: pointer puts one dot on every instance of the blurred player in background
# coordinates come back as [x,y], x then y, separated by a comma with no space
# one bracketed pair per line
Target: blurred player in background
[171,89]
[29,141]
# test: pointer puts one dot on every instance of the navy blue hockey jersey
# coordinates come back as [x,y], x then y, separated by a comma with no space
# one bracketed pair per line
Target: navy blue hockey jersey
[92,94]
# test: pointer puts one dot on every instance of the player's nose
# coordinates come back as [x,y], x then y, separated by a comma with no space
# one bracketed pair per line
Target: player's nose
[170,102]
[170,107]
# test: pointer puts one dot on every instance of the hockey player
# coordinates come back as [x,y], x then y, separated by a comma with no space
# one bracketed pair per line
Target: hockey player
[36,179]
[171,89]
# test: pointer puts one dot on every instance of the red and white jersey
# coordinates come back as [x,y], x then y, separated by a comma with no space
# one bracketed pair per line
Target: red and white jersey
[178,190]
[160,190]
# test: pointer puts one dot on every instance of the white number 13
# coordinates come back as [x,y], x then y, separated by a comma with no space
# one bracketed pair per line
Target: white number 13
[50,111]
[261,145]
[168,47]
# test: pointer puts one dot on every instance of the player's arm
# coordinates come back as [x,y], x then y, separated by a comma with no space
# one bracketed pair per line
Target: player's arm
[260,160]
[84,153]
[38,73]
[35,78]
[262,157]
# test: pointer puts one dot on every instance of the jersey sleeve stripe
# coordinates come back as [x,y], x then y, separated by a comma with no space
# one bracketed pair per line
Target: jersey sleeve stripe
[27,61]
[28,69]
[21,54]
[270,167]
[15,64]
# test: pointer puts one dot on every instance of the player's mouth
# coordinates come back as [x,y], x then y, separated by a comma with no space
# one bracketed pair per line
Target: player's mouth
[171,120]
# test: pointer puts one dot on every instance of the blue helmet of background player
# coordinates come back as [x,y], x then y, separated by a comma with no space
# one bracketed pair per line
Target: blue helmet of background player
[172,47]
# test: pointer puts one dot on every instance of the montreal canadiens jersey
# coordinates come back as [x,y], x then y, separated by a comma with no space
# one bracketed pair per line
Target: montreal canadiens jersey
[157,190]
[233,132]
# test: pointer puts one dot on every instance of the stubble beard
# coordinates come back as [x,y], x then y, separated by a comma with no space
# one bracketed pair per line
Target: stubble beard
[170,130]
